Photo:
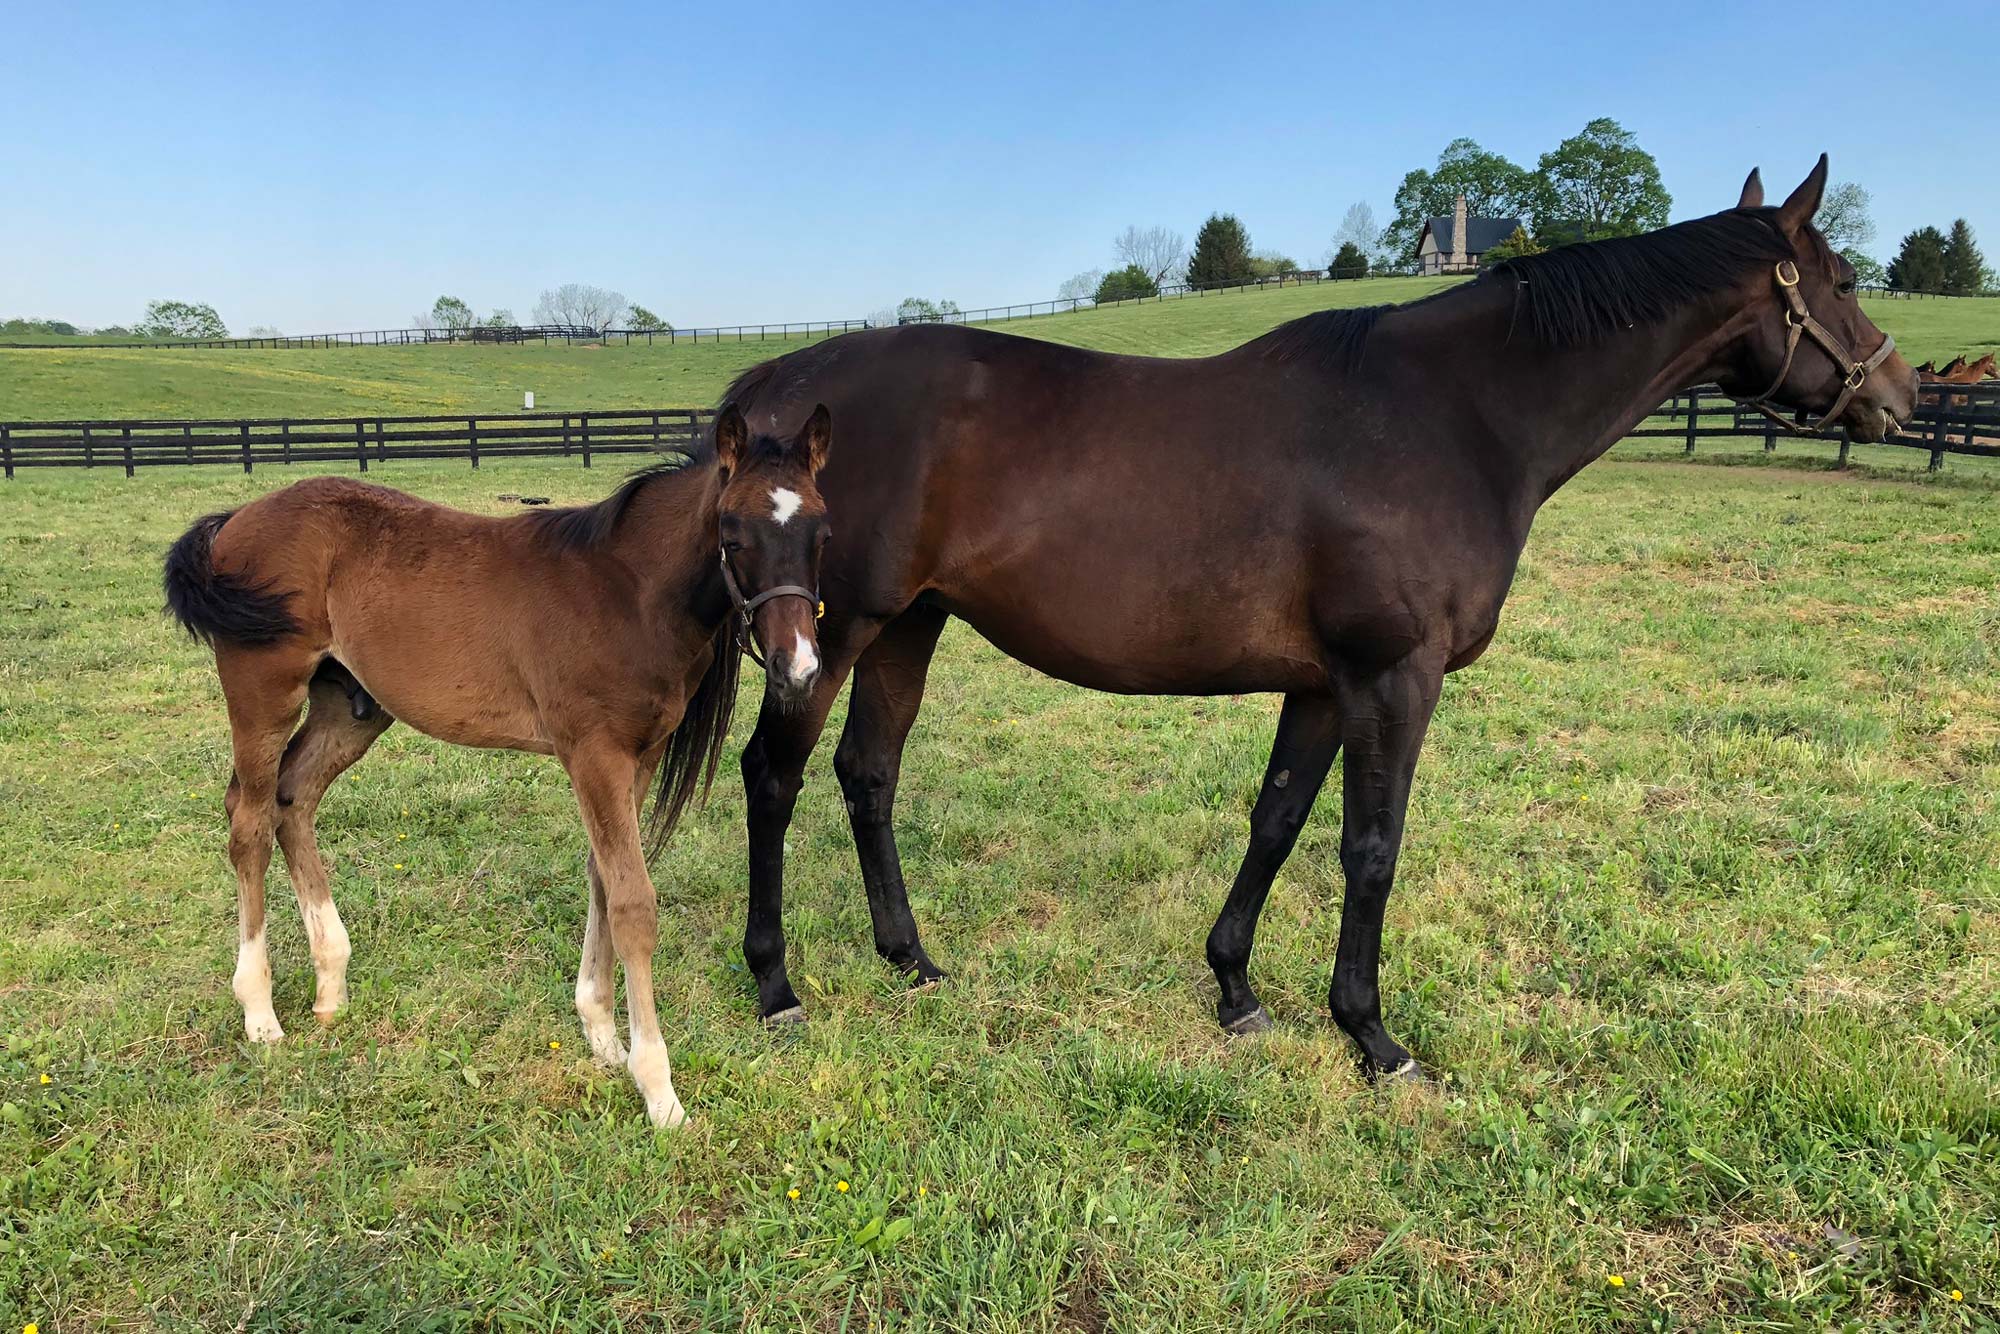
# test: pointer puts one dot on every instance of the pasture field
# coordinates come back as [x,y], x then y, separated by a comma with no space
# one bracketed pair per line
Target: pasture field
[1699,912]
[78,382]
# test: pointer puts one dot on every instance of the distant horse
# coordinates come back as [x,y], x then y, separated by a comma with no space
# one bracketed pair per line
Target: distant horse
[603,635]
[1332,511]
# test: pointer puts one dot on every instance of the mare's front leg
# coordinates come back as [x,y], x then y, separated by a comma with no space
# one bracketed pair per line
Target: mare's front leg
[607,779]
[1384,717]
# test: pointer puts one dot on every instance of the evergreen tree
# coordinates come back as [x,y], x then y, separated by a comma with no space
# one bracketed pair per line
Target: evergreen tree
[1125,284]
[1919,262]
[1221,253]
[1963,265]
[1351,262]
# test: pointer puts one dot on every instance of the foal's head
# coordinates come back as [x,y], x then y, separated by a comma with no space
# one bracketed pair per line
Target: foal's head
[1786,359]
[773,528]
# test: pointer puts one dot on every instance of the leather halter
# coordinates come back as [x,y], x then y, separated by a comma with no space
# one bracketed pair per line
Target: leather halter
[747,607]
[1799,320]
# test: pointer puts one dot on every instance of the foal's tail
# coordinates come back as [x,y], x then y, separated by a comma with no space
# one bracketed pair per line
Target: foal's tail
[221,608]
[688,767]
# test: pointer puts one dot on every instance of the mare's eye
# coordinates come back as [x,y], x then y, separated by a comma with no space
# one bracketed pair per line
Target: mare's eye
[1847,287]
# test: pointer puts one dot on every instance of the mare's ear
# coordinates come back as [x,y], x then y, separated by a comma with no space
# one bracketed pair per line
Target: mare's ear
[1797,211]
[731,437]
[1753,191]
[813,438]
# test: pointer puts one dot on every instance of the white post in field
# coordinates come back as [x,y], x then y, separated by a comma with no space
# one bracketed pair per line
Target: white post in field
[528,401]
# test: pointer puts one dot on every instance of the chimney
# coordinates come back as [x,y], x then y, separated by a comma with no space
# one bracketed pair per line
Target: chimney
[1459,258]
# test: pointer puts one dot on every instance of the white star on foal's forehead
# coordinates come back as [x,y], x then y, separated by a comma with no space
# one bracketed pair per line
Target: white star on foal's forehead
[784,504]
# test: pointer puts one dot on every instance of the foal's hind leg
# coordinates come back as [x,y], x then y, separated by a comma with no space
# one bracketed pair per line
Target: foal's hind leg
[263,689]
[1308,739]
[331,740]
[595,981]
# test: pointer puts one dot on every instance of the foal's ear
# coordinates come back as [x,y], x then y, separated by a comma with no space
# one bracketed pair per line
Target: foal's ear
[814,437]
[1797,211]
[1753,191]
[731,436]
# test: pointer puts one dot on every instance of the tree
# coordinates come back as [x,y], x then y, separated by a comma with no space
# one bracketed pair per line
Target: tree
[1517,244]
[920,310]
[1350,261]
[180,319]
[1357,229]
[1271,264]
[1125,284]
[641,318]
[1843,217]
[1919,262]
[581,305]
[1964,266]
[1492,186]
[265,331]
[502,318]
[1158,252]
[1081,286]
[1868,270]
[451,314]
[1595,184]
[1221,253]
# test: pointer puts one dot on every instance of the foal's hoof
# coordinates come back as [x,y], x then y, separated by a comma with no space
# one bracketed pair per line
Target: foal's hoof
[1257,1021]
[791,1017]
[920,981]
[1406,1075]
[263,1029]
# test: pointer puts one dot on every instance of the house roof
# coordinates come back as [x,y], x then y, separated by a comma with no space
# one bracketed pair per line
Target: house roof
[1482,234]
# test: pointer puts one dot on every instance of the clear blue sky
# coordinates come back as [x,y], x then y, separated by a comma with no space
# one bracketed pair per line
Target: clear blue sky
[339,166]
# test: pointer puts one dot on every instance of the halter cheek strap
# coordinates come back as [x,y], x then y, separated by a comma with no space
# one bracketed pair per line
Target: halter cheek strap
[1799,320]
[747,607]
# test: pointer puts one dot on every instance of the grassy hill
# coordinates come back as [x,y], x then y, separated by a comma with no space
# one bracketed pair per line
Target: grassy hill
[56,382]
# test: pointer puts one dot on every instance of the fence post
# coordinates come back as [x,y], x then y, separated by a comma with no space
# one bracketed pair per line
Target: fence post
[243,434]
[583,424]
[88,460]
[1845,441]
[187,434]
[285,433]
[565,437]
[472,435]
[7,452]
[1694,418]
[656,432]
[361,443]
[1771,439]
[128,451]
[1937,435]
[381,444]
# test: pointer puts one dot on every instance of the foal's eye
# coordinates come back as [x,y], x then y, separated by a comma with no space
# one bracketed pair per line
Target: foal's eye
[1846,287]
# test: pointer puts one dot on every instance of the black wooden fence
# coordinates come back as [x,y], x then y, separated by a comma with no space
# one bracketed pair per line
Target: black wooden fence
[1951,419]
[359,440]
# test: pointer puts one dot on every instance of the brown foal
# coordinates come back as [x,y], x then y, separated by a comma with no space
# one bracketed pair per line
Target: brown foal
[605,635]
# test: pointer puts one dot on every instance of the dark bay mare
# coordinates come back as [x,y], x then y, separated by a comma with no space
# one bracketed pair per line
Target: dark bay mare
[1332,511]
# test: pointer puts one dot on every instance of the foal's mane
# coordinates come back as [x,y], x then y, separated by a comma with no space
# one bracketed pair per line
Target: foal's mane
[1571,295]
[588,527]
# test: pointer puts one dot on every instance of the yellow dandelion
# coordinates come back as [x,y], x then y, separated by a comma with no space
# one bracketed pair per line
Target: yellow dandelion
[406,810]
[116,825]
[923,1191]
[840,1186]
[1957,1296]
[1615,1280]
[46,1079]
[792,1194]
[555,1046]
[399,866]
[1246,1160]
[402,838]
[31,1328]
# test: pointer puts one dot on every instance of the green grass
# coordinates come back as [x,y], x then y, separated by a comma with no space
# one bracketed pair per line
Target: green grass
[72,382]
[1699,911]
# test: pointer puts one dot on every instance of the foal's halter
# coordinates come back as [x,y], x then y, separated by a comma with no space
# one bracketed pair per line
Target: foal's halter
[747,607]
[1799,320]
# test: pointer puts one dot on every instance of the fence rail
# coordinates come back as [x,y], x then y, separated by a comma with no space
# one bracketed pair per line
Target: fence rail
[1951,419]
[540,333]
[360,440]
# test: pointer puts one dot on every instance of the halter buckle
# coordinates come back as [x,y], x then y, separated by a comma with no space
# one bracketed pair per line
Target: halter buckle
[1785,265]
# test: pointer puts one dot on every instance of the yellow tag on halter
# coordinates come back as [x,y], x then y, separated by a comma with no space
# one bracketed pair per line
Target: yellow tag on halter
[819,611]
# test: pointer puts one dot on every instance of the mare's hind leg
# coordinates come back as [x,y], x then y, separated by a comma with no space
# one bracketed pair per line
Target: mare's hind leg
[263,689]
[332,739]
[888,690]
[605,781]
[1308,739]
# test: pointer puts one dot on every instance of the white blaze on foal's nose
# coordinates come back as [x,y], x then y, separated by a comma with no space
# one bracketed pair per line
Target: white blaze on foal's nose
[784,504]
[804,661]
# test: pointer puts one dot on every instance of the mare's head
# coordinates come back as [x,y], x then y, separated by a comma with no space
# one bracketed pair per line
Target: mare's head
[773,528]
[1812,348]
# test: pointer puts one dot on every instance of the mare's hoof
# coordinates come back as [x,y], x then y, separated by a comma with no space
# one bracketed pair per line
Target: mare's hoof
[1257,1021]
[920,981]
[1408,1074]
[790,1017]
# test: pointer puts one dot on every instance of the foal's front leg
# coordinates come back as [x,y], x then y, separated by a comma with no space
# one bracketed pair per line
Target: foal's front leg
[606,779]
